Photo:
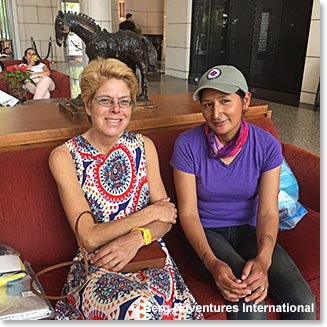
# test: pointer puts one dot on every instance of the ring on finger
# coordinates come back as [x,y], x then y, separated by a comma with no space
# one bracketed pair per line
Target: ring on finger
[262,288]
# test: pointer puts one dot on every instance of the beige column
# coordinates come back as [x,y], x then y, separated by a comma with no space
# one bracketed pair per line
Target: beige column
[178,38]
[100,11]
[311,73]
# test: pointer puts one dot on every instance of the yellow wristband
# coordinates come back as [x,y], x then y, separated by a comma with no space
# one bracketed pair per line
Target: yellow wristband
[146,234]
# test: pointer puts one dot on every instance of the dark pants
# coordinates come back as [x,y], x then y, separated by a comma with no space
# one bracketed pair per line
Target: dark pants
[287,287]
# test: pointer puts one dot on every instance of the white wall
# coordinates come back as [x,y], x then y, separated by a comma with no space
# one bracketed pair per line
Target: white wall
[312,61]
[101,13]
[34,18]
[147,14]
[99,10]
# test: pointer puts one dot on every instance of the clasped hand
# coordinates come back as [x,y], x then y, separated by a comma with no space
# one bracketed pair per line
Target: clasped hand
[255,275]
[116,254]
[253,285]
[164,211]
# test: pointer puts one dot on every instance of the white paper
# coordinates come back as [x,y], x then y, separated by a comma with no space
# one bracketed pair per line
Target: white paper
[7,99]
[9,263]
[18,302]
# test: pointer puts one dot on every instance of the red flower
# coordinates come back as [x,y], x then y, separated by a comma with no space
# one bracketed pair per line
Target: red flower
[11,68]
[23,68]
[16,75]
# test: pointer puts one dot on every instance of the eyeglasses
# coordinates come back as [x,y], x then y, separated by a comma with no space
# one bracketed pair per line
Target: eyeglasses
[109,102]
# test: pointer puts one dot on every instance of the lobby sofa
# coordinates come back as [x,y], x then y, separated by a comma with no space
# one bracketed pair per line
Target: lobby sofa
[33,221]
[61,80]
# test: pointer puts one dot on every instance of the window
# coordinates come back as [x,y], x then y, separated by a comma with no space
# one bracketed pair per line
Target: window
[5,40]
[4,29]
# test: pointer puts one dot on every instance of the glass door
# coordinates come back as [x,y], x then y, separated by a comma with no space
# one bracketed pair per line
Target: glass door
[209,36]
[265,39]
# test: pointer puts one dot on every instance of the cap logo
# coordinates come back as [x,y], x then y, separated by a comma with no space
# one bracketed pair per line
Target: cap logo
[214,73]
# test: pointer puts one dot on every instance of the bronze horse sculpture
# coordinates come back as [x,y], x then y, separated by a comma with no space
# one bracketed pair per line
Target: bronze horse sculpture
[131,48]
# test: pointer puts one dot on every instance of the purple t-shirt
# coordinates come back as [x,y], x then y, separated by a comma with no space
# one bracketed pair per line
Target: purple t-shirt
[227,194]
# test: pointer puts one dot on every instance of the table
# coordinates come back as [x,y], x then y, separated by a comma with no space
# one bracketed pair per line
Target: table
[36,123]
[41,122]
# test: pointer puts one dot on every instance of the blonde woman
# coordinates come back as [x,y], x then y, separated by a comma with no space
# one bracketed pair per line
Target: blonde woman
[115,174]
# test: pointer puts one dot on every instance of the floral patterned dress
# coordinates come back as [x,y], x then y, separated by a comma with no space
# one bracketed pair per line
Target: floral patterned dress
[115,185]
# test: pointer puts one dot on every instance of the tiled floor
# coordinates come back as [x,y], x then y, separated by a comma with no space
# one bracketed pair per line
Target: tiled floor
[296,125]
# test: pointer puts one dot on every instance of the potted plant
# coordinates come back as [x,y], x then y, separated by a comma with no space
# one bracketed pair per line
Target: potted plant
[15,77]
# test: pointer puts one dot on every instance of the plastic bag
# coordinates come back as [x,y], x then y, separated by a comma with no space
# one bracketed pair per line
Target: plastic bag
[12,267]
[291,210]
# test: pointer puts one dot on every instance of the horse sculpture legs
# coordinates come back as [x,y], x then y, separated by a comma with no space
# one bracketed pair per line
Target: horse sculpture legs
[144,84]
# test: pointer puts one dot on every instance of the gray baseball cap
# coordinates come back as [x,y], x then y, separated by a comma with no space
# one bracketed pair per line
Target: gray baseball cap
[227,79]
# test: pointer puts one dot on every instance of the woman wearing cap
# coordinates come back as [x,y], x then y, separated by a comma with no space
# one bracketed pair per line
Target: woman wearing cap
[227,181]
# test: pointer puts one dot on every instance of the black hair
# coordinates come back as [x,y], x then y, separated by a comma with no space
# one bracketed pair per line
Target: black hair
[128,15]
[25,53]
[239,92]
[200,95]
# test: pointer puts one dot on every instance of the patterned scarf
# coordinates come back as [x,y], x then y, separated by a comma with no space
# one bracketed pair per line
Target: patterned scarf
[218,150]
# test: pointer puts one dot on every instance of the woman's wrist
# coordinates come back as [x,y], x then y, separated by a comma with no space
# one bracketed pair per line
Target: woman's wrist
[209,260]
[266,261]
[149,214]
[139,238]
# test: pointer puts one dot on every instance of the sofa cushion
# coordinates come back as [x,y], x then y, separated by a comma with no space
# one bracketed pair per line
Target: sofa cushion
[164,155]
[306,168]
[31,208]
[304,239]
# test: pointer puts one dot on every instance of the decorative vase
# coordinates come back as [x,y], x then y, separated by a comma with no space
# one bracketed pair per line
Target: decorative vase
[18,91]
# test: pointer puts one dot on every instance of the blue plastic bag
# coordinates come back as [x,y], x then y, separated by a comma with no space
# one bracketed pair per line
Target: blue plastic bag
[291,210]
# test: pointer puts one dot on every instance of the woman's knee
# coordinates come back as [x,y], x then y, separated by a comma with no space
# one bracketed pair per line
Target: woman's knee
[29,87]
[46,80]
[224,251]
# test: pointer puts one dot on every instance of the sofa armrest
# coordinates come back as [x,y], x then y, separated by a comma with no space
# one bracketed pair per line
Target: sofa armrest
[62,82]
[306,168]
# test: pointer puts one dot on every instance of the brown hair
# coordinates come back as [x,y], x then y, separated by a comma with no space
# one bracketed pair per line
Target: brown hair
[100,70]
[25,54]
